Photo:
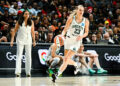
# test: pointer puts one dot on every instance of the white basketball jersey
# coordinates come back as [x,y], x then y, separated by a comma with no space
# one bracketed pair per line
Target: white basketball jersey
[75,28]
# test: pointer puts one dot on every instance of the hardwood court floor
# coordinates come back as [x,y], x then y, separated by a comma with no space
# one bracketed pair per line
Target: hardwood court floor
[62,81]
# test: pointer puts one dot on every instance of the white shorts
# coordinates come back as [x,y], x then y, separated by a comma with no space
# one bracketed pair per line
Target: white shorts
[72,44]
[92,51]
[76,59]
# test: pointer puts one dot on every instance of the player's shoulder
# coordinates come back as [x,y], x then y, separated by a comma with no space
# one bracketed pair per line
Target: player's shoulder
[86,20]
[70,19]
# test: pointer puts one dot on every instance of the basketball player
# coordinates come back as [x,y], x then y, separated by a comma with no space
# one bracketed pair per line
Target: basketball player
[77,28]
[54,60]
[79,57]
[93,59]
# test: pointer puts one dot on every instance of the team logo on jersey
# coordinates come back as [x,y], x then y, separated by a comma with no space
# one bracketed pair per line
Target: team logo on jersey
[82,24]
[74,48]
[76,26]
[42,55]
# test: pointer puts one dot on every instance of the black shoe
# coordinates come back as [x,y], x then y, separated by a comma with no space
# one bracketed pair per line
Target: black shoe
[17,75]
[53,77]
[28,75]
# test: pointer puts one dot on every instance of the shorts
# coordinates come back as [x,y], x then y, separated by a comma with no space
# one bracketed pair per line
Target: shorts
[71,43]
[75,58]
[92,52]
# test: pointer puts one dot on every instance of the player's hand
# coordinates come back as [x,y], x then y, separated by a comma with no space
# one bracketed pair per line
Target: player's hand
[11,43]
[61,35]
[79,38]
[34,44]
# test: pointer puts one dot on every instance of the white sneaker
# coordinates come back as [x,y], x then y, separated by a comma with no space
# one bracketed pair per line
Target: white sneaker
[85,71]
[76,71]
[77,68]
[80,70]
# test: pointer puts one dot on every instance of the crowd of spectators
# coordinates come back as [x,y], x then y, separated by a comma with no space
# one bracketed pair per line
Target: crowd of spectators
[50,16]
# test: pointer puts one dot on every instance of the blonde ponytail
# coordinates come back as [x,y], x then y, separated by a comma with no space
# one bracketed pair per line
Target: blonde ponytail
[74,12]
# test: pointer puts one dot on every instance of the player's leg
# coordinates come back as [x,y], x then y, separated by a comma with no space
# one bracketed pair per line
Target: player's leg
[91,61]
[76,59]
[82,60]
[67,60]
[64,65]
[70,61]
[95,60]
[50,70]
[54,65]
[65,52]
[55,62]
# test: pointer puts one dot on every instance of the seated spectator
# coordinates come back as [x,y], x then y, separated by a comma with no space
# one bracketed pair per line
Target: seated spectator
[101,30]
[3,5]
[102,15]
[10,34]
[45,22]
[3,39]
[91,2]
[93,39]
[55,24]
[50,37]
[19,3]
[37,37]
[92,23]
[107,37]
[99,36]
[5,18]
[116,31]
[13,9]
[110,31]
[36,23]
[32,11]
[60,8]
[4,33]
[106,26]
[43,34]
[87,40]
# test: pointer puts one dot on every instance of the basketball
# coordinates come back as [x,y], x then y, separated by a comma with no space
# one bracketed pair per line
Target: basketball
[59,40]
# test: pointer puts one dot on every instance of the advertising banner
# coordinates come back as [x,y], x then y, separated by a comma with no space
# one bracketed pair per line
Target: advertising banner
[109,56]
